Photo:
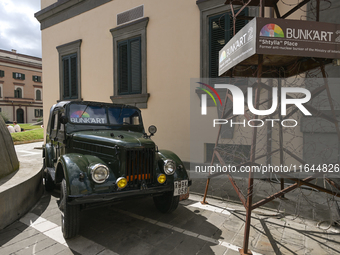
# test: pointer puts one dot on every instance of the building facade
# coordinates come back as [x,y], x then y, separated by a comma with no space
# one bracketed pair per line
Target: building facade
[142,53]
[21,89]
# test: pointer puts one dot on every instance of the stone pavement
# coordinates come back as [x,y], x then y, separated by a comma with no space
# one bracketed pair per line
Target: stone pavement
[136,227]
[303,202]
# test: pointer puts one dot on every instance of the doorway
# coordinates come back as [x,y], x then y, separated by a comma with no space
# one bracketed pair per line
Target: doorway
[20,115]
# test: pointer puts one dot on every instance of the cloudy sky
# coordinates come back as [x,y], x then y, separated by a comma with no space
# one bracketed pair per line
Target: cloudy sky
[19,29]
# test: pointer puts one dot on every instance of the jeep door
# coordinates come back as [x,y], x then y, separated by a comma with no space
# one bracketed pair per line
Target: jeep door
[57,135]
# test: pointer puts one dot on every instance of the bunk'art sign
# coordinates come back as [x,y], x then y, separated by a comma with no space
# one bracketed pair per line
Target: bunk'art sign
[281,37]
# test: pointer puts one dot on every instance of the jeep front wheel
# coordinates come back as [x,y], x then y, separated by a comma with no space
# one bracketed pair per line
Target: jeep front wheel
[69,214]
[166,203]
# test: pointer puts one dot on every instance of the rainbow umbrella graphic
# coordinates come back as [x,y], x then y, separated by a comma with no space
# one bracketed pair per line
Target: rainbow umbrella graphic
[80,114]
[272,30]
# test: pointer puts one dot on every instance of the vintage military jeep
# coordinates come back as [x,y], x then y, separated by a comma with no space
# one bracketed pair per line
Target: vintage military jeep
[99,153]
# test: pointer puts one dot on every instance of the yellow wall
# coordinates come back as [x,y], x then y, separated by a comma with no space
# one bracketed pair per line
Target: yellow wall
[173,58]
[45,3]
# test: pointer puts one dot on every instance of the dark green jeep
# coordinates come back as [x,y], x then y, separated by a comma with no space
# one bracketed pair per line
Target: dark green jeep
[99,153]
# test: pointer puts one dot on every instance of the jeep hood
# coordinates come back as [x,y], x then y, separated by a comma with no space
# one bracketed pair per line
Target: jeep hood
[113,137]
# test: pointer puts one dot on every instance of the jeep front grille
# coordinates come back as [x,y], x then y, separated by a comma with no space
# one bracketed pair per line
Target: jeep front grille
[140,166]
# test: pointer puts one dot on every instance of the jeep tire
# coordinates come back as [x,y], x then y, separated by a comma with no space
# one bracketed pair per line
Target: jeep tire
[69,214]
[166,203]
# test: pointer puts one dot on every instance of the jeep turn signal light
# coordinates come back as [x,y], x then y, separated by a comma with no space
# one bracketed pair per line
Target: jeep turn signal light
[121,183]
[161,178]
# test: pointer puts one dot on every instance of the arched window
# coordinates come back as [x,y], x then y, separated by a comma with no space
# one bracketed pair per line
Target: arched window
[38,94]
[18,93]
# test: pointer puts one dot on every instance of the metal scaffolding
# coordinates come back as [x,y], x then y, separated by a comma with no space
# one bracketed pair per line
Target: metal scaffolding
[247,200]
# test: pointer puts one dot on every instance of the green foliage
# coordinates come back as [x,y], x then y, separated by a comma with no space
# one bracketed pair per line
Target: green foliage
[28,135]
[4,117]
[29,126]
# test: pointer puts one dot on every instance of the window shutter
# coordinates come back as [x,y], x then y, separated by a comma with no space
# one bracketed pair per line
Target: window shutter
[38,95]
[2,73]
[219,35]
[22,77]
[73,71]
[135,59]
[220,32]
[14,76]
[66,80]
[123,67]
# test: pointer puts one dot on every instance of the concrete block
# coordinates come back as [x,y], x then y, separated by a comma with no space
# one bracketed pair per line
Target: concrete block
[19,194]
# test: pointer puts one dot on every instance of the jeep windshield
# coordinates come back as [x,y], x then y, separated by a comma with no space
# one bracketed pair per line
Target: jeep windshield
[87,116]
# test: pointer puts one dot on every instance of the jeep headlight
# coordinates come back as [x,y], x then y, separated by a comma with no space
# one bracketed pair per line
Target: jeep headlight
[161,178]
[99,173]
[121,182]
[169,167]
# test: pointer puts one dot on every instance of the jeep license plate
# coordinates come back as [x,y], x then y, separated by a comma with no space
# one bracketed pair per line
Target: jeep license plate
[180,187]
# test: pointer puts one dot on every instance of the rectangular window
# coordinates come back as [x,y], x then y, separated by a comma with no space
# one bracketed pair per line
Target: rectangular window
[129,66]
[220,32]
[2,73]
[18,76]
[18,93]
[38,94]
[38,113]
[70,83]
[69,70]
[36,78]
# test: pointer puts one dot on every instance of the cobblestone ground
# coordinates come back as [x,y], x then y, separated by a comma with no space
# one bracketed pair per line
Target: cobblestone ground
[135,227]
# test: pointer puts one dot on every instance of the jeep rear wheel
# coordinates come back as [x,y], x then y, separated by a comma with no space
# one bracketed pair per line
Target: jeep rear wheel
[69,214]
[166,203]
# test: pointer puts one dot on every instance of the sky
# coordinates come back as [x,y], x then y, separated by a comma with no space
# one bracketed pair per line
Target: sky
[19,29]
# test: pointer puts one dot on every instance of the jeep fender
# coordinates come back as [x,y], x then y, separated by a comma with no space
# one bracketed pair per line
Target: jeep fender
[71,166]
[180,173]
[48,155]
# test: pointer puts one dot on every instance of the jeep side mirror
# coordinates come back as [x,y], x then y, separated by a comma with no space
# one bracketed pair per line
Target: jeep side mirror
[152,130]
[63,120]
